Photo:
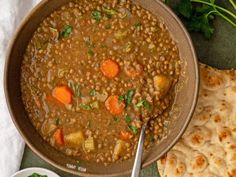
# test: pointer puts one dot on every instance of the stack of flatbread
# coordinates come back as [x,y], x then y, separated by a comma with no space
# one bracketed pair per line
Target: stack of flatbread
[208,147]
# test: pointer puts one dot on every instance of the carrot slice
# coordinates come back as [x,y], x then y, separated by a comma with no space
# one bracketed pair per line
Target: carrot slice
[62,94]
[59,137]
[109,68]
[114,105]
[124,135]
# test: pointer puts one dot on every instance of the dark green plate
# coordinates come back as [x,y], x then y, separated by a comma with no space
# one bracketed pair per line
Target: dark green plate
[219,52]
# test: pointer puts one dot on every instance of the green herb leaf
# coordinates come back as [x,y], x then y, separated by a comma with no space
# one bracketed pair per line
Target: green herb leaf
[185,8]
[146,104]
[128,119]
[116,119]
[85,106]
[121,98]
[201,24]
[97,15]
[92,92]
[67,31]
[109,12]
[75,87]
[37,175]
[143,103]
[199,14]
[133,129]
[129,97]
[167,2]
[139,104]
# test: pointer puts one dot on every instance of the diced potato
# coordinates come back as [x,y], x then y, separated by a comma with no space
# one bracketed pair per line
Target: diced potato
[89,144]
[118,150]
[76,138]
[162,84]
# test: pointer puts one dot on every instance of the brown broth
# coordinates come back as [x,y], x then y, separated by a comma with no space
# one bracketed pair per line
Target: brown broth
[68,49]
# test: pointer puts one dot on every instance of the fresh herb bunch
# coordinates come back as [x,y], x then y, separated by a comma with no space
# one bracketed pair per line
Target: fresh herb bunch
[199,14]
[37,175]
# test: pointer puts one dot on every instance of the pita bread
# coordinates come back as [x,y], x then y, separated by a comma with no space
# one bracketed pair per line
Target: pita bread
[208,147]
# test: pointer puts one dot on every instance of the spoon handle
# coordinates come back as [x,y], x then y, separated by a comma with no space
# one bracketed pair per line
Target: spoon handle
[139,152]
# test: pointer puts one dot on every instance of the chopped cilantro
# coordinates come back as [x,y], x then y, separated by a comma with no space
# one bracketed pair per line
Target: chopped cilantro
[67,31]
[75,87]
[97,15]
[143,103]
[85,106]
[121,98]
[128,119]
[37,175]
[129,96]
[133,129]
[92,92]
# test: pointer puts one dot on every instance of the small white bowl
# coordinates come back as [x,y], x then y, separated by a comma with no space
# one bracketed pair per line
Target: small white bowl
[29,171]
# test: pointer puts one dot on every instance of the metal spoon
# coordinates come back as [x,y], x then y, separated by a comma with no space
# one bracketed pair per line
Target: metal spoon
[139,153]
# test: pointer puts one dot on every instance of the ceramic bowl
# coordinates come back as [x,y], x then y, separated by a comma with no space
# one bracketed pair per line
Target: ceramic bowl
[185,100]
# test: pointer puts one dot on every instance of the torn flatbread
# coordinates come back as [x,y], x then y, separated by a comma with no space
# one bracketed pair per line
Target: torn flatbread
[208,147]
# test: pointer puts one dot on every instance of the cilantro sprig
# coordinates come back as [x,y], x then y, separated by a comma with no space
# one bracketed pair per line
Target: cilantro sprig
[128,97]
[67,31]
[200,14]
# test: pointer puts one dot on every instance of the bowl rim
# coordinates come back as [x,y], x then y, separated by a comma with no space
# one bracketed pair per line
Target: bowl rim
[50,161]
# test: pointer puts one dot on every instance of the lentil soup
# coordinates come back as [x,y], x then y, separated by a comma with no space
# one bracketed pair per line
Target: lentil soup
[93,73]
